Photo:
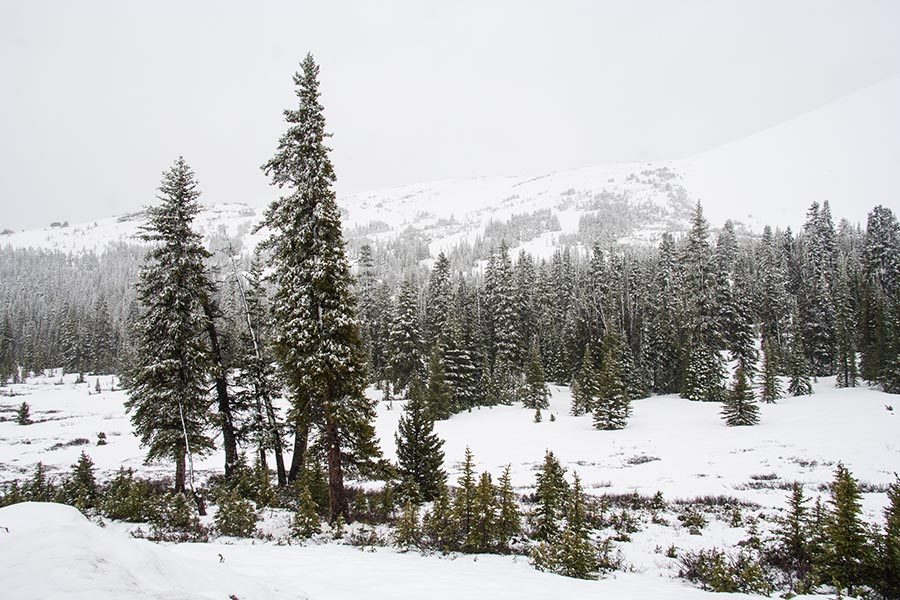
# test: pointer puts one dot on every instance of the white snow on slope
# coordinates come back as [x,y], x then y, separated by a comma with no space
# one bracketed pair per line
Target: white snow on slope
[845,152]
[53,551]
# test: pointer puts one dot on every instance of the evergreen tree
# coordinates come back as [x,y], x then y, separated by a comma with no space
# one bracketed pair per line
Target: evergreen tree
[465,498]
[509,519]
[740,407]
[585,388]
[571,553]
[793,551]
[40,487]
[306,522]
[23,414]
[846,548]
[536,394]
[169,383]
[551,493]
[419,455]
[408,533]
[440,527]
[703,379]
[317,342]
[460,370]
[405,341]
[80,489]
[798,367]
[771,386]
[888,576]
[439,399]
[482,534]
[439,299]
[613,404]
[845,331]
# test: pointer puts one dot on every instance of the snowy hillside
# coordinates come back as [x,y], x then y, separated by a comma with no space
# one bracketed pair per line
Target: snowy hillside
[671,445]
[845,152]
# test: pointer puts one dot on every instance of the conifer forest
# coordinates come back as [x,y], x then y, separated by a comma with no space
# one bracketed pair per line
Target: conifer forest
[257,378]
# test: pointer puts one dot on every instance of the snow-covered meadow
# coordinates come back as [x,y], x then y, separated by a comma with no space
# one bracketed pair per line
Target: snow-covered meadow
[671,445]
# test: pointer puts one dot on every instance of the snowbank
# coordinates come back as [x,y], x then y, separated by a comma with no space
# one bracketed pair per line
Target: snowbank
[52,551]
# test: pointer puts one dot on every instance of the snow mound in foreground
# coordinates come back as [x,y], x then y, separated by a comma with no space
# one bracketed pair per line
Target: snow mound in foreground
[53,551]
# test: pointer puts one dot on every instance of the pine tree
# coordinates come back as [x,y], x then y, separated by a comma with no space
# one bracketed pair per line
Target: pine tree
[419,455]
[771,386]
[585,388]
[317,342]
[846,547]
[405,341]
[740,407]
[439,299]
[793,552]
[798,367]
[509,519]
[551,492]
[570,553]
[536,394]
[460,371]
[482,534]
[845,331]
[438,395]
[703,379]
[8,368]
[613,404]
[888,576]
[168,400]
[23,414]
[464,502]
[306,522]
[440,527]
[408,533]
[40,487]
[80,489]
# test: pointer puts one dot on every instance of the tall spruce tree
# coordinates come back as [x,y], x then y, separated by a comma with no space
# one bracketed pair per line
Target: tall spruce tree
[740,406]
[771,386]
[799,383]
[405,340]
[169,401]
[613,403]
[550,495]
[419,455]
[846,553]
[317,341]
[536,394]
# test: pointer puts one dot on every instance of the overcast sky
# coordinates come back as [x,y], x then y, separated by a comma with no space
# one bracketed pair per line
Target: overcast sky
[98,98]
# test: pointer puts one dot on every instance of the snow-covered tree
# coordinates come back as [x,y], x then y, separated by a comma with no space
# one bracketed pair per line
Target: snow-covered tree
[169,400]
[317,341]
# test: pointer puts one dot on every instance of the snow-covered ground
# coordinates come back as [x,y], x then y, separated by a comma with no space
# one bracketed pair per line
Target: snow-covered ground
[675,446]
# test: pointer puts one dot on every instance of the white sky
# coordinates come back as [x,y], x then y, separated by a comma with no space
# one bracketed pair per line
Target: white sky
[98,98]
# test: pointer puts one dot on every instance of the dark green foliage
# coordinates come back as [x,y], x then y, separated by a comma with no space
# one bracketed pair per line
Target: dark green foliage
[12,493]
[798,366]
[570,553]
[317,341]
[80,488]
[792,550]
[419,455]
[439,526]
[465,498]
[126,498]
[169,383]
[717,571]
[740,406]
[887,575]
[439,394]
[845,332]
[535,393]
[23,414]
[585,387]
[306,521]
[481,536]
[405,339]
[703,379]
[509,518]
[174,520]
[550,497]
[236,516]
[408,532]
[612,407]
[40,487]
[846,552]
[771,386]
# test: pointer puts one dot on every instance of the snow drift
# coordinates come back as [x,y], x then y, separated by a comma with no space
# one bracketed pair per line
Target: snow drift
[53,551]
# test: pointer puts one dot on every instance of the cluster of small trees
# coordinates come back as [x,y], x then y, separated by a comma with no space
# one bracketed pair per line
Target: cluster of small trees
[827,545]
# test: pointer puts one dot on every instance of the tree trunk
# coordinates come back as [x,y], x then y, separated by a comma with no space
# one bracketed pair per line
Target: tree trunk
[275,440]
[336,492]
[301,439]
[229,440]
[180,473]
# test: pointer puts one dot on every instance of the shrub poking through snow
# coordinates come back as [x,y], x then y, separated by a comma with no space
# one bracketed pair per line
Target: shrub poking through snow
[236,516]
[23,414]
